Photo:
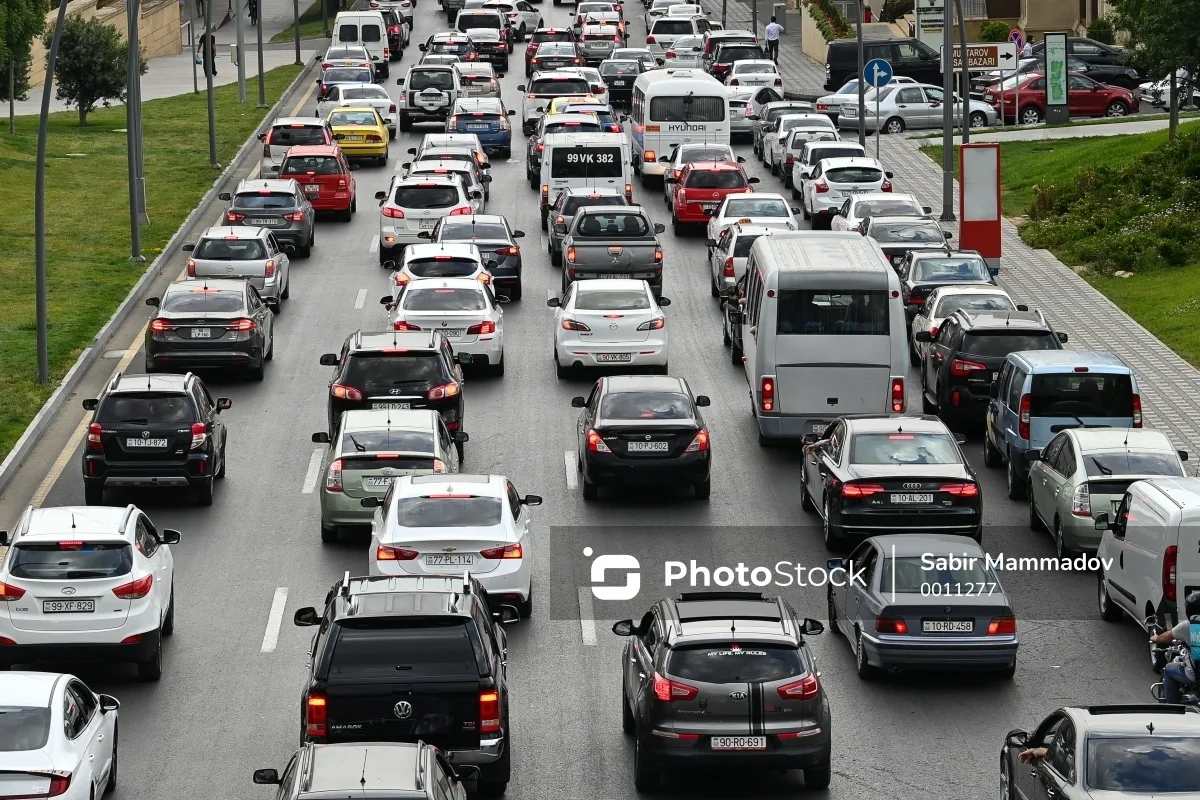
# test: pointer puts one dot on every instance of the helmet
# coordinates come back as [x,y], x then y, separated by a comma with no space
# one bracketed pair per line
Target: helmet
[1191,604]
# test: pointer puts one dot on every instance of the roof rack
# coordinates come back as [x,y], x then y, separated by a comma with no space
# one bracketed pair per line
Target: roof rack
[1138,708]
[345,588]
[692,597]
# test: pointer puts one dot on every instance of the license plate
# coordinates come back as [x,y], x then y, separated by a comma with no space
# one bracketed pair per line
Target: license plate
[647,447]
[201,333]
[313,188]
[426,224]
[995,375]
[391,406]
[353,138]
[145,442]
[947,626]
[378,483]
[912,498]
[614,357]
[708,207]
[260,221]
[819,427]
[850,112]
[440,560]
[451,333]
[613,275]
[483,127]
[68,606]
[739,743]
[855,191]
[620,83]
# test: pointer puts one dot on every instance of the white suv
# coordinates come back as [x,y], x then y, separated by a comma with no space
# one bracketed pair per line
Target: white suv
[412,205]
[87,583]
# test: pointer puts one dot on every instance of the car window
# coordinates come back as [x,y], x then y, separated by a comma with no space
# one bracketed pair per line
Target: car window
[144,540]
[514,501]
[736,663]
[23,728]
[715,179]
[1132,462]
[1084,394]
[448,511]
[927,577]
[611,300]
[911,95]
[316,165]
[646,405]
[1062,752]
[423,648]
[615,224]
[444,299]
[741,248]
[426,196]
[818,313]
[837,441]
[1065,462]
[973,302]
[1050,453]
[230,249]
[70,560]
[1143,765]
[430,79]
[203,300]
[757,207]
[149,407]
[1016,388]
[1079,82]
[899,448]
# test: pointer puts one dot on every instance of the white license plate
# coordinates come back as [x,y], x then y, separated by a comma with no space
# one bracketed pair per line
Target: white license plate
[483,127]
[440,560]
[995,375]
[850,112]
[819,427]
[352,138]
[739,743]
[451,333]
[620,83]
[145,442]
[426,224]
[647,447]
[391,406]
[947,626]
[378,483]
[614,357]
[855,191]
[614,275]
[708,207]
[260,221]
[902,499]
[201,333]
[68,606]
[313,188]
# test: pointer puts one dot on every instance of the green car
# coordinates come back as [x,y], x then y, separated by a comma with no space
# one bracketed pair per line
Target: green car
[369,450]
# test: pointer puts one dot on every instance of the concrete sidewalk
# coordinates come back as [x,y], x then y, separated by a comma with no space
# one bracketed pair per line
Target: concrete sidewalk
[1041,132]
[804,76]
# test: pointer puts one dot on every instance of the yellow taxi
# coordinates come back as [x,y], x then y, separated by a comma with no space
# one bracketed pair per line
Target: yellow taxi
[360,132]
[559,105]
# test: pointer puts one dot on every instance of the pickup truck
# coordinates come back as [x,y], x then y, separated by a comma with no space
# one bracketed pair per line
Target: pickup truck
[613,242]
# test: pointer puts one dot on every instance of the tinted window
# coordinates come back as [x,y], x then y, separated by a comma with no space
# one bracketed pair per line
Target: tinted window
[556,49]
[619,68]
[1132,463]
[23,728]
[319,165]
[386,441]
[346,75]
[371,33]
[353,118]
[68,561]
[203,300]
[454,47]
[572,127]
[1143,765]
[443,267]
[555,87]
[430,78]
[432,648]
[973,302]
[1091,394]
[730,54]
[912,575]
[998,345]
[230,249]
[736,664]
[757,207]
[265,200]
[610,225]
[466,21]
[716,179]
[444,300]
[818,313]
[448,512]
[575,202]
[903,448]
[951,269]
[297,134]
[741,247]
[164,408]
[560,36]
[679,109]
[393,369]
[691,154]
[646,405]
[480,230]
[854,175]
[818,154]
[426,196]
[907,233]
[671,27]
[586,162]
[611,300]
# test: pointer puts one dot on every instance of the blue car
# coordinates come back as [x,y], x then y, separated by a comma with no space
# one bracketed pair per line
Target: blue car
[487,118]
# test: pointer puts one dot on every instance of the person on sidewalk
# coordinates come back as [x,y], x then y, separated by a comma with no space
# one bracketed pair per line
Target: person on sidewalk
[207,48]
[252,5]
[1027,50]
[773,31]
[867,15]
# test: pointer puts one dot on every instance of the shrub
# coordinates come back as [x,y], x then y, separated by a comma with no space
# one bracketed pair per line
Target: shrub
[829,18]
[895,9]
[1101,30]
[994,31]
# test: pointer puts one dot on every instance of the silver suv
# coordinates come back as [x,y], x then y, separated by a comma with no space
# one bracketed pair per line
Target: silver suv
[429,94]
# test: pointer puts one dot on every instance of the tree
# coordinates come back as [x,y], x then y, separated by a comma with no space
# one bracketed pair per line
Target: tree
[1164,35]
[21,21]
[994,31]
[1101,30]
[92,65]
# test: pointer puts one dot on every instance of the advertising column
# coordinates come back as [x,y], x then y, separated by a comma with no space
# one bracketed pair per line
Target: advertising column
[1056,78]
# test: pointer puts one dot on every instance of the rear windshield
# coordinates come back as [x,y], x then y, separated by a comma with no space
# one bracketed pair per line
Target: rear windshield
[388,441]
[430,78]
[586,162]
[416,299]
[448,511]
[742,69]
[488,36]
[1132,463]
[574,202]
[904,448]
[230,249]
[556,87]
[572,127]
[741,247]
[420,648]
[466,21]
[68,561]
[559,36]
[611,300]
[23,728]
[819,154]
[338,53]
[688,109]
[200,300]
[887,208]
[1143,765]
[318,165]
[394,369]
[365,93]
[426,197]
[484,118]
[159,408]
[444,267]
[731,54]
[716,179]
[907,233]
[265,200]
[477,78]
[556,49]
[951,269]
[469,232]
[704,154]
[973,302]
[353,118]
[609,225]
[646,405]
[912,575]
[740,663]
[297,135]
[820,313]
[619,68]
[854,175]
[457,47]
[669,27]
[346,75]
[757,207]
[1092,394]
[998,345]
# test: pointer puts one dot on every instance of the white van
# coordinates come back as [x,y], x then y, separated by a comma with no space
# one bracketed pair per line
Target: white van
[365,29]
[584,160]
[670,107]
[1150,551]
[823,332]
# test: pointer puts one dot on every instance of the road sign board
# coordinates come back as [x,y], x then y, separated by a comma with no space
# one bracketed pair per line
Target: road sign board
[986,57]
[877,72]
[1016,37]
[931,19]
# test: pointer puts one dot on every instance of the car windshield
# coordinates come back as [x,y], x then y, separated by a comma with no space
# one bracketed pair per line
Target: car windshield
[23,728]
[757,207]
[311,165]
[886,208]
[265,199]
[731,54]
[616,224]
[819,154]
[781,111]
[365,93]
[854,175]
[346,75]
[451,46]
[556,49]
[556,36]
[292,135]
[1082,394]
[908,233]
[1132,462]
[487,35]
[611,300]
[473,231]
[702,153]
[71,560]
[998,344]
[618,67]
[903,448]
[421,197]
[446,299]
[230,249]
[805,312]
[165,409]
[955,268]
[448,511]
[716,179]
[930,573]
[735,663]
[667,27]
[353,118]
[973,302]
[418,79]
[387,440]
[554,87]
[203,300]
[1157,765]
[741,247]
[688,109]
[646,405]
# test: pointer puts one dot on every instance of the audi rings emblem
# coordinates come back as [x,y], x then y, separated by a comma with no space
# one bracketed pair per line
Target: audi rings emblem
[912,486]
[402,710]
[68,590]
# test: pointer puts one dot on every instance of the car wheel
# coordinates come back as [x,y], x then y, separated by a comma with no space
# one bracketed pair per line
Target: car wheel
[521,33]
[526,606]
[458,448]
[818,777]
[861,665]
[204,493]
[151,670]
[991,456]
[927,405]
[545,218]
[1016,489]
[831,535]
[795,192]
[831,612]
[329,533]
[704,490]
[628,724]
[1035,522]
[168,623]
[287,289]
[1109,611]
[257,373]
[556,257]
[804,208]
[735,356]
[1061,548]
[913,358]
[405,123]
[806,501]
[645,777]
[978,119]
[1007,790]
[894,125]
[1030,115]
[112,773]
[93,493]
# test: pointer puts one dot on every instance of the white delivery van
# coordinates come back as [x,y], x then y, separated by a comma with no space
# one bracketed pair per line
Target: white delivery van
[823,332]
[365,29]
[584,160]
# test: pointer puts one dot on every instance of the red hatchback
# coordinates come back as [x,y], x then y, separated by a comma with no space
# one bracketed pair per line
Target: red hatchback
[701,187]
[545,35]
[1085,98]
[325,175]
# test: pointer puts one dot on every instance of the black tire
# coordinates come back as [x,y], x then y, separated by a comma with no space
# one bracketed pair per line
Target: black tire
[978,119]
[893,125]
[1116,108]
[497,369]
[804,209]
[645,777]
[1016,487]
[590,490]
[1007,790]
[736,356]
[628,724]
[259,372]
[168,623]
[991,456]
[287,289]
[832,535]
[818,777]
[861,666]
[556,258]
[831,612]
[704,490]
[914,360]
[545,222]
[458,448]
[93,493]
[405,123]
[304,252]
[676,226]
[526,606]
[204,492]
[385,255]
[1029,115]
[329,533]
[151,670]
[1109,611]
[1061,548]
[713,290]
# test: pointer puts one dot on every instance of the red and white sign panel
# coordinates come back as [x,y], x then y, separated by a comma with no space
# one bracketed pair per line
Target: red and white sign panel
[979,198]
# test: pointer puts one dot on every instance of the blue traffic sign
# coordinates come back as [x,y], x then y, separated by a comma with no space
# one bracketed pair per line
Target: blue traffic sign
[1016,37]
[877,72]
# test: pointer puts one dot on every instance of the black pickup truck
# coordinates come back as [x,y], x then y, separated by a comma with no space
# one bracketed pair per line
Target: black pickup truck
[408,659]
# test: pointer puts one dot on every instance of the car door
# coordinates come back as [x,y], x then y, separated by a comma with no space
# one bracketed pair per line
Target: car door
[1040,478]
[751,307]
[209,415]
[639,666]
[585,418]
[718,254]
[262,316]
[86,730]
[839,221]
[912,107]
[843,596]
[151,552]
[1082,99]
[1065,463]
[520,513]
[939,351]
[809,189]
[527,14]
[1116,546]
[1011,408]
[1025,777]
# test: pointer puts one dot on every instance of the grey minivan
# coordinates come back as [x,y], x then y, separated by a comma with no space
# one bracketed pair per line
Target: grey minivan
[242,252]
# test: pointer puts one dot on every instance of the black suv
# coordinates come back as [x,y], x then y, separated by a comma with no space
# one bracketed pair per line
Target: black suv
[414,771]
[412,659]
[393,370]
[911,58]
[737,689]
[960,365]
[154,430]
[922,271]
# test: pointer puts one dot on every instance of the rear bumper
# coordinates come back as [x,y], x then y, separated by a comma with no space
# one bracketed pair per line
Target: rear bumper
[294,236]
[200,359]
[510,576]
[606,469]
[642,354]
[113,475]
[141,650]
[975,653]
[784,426]
[872,522]
[365,149]
[686,215]
[811,751]
[331,203]
[417,114]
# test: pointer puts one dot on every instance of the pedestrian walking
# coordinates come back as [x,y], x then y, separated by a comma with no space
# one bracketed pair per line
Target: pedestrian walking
[867,15]
[252,5]
[1027,50]
[773,31]
[207,50]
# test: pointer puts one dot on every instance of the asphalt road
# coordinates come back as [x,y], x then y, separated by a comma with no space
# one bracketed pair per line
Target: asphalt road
[229,699]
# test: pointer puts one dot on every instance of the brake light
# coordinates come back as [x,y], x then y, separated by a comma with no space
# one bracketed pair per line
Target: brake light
[571,254]
[135,590]
[93,437]
[572,325]
[241,325]
[385,553]
[545,195]
[270,269]
[861,489]
[394,213]
[779,82]
[658,255]
[629,193]
[669,54]
[540,147]
[509,251]
[699,443]
[656,324]
[333,477]
[372,137]
[766,401]
[485,328]
[898,395]
[891,625]
[297,216]
[511,551]
[401,325]
[489,711]
[1137,411]
[667,690]
[804,689]
[595,443]
[1170,559]
[1023,418]
[8,592]
[191,268]
[392,108]
[821,187]
[461,211]
[649,156]
[401,279]
[1003,626]
[316,715]
[443,392]
[682,191]
[788,159]
[962,368]
[961,489]
[727,270]
[344,392]
[199,435]
[887,186]
[341,183]
[231,216]
[1081,501]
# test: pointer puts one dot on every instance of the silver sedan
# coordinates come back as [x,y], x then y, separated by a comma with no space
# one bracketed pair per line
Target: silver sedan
[687,52]
[903,107]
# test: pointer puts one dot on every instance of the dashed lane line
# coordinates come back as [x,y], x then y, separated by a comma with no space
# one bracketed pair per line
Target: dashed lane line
[274,620]
[314,470]
[587,625]
[572,470]
[361,300]
[373,247]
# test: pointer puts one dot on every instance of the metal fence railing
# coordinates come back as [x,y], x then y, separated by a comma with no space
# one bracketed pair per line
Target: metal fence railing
[975,9]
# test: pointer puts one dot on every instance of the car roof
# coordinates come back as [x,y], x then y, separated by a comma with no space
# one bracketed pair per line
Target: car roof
[955,289]
[58,522]
[707,616]
[914,545]
[301,150]
[159,382]
[381,766]
[1022,320]
[586,191]
[1072,358]
[1099,440]
[232,232]
[565,117]
[1135,719]
[428,177]
[460,483]
[609,285]
[288,122]
[386,340]
[919,255]
[360,86]
[27,689]
[643,383]
[453,249]
[369,419]
[424,67]
[213,284]
[896,424]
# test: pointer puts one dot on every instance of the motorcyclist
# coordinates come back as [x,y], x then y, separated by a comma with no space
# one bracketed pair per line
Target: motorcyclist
[1181,673]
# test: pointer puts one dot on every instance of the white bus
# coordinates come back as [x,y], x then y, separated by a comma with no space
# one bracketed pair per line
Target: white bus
[823,332]
[670,107]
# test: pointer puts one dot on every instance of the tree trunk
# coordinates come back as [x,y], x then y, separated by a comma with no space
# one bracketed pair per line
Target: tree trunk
[1173,123]
[12,90]
[82,115]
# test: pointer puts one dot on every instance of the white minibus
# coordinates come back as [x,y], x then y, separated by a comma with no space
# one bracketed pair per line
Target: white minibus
[670,107]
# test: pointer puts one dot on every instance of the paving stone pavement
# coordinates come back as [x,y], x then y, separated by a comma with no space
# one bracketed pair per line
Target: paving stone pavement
[804,75]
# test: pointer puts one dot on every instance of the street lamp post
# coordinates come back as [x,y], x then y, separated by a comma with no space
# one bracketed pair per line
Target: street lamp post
[948,113]
[131,112]
[862,83]
[296,17]
[262,78]
[210,58]
[241,49]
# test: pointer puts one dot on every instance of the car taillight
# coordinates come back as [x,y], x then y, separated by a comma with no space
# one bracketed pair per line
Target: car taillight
[545,195]
[341,183]
[296,216]
[333,477]
[572,325]
[682,191]
[199,435]
[344,392]
[960,489]
[387,553]
[401,325]
[779,81]
[489,711]
[316,715]
[658,255]
[8,592]
[135,590]
[898,400]
[1137,411]
[656,324]
[231,216]
[509,251]
[668,690]
[392,108]
[699,444]
[1023,418]
[60,781]
[443,392]
[886,186]
[484,328]
[374,137]
[452,126]
[961,368]
[270,269]
[891,625]
[461,211]
[650,39]
[821,187]
[1170,559]
[191,268]
[504,126]
[861,489]
[1003,626]
[387,53]
[669,54]
[804,689]
[394,213]
[511,551]
[933,332]
[788,159]
[241,325]
[541,148]
[595,443]
[766,402]
[616,128]
[93,436]
[727,270]
[1081,501]
[629,192]
[571,254]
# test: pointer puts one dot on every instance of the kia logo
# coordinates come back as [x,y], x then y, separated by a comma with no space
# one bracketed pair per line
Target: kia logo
[912,486]
[739,695]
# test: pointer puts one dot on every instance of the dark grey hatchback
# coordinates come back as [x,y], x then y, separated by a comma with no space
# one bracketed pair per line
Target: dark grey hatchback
[279,205]
[723,680]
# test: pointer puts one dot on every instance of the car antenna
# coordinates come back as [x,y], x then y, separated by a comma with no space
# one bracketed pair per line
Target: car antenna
[363,780]
[1150,727]
[72,520]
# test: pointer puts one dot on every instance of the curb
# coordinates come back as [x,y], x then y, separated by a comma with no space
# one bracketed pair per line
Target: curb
[94,351]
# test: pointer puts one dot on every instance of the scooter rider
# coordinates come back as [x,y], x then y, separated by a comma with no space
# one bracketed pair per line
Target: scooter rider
[1182,673]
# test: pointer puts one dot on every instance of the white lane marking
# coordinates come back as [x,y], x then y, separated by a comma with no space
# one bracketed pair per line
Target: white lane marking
[572,470]
[274,619]
[373,247]
[587,625]
[362,297]
[314,469]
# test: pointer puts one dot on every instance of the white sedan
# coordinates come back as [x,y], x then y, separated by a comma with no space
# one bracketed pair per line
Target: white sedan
[59,737]
[876,204]
[464,310]
[766,209]
[944,301]
[776,137]
[609,321]
[447,524]
[755,73]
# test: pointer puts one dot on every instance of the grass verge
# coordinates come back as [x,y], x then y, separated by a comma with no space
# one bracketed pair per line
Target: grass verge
[87,223]
[310,25]
[1075,123]
[1166,302]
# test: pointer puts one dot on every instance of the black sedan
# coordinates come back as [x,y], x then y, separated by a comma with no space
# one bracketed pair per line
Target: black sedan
[922,271]
[900,235]
[497,244]
[645,431]
[211,324]
[871,475]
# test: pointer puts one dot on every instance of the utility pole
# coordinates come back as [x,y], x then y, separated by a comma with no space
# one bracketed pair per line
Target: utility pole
[966,75]
[132,109]
[754,19]
[862,82]
[210,58]
[724,9]
[262,78]
[948,113]
[296,18]
[241,49]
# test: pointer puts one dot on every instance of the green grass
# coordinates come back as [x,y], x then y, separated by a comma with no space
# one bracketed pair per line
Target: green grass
[1166,302]
[310,26]
[1075,123]
[87,223]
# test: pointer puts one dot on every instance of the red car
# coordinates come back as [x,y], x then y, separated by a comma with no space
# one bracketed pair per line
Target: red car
[1085,98]
[325,175]
[701,187]
[545,35]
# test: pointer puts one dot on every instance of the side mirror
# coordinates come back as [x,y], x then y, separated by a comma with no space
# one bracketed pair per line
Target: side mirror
[3,538]
[464,358]
[1101,522]
[503,299]
[531,500]
[663,301]
[554,302]
[461,437]
[664,159]
[926,210]
[399,81]
[381,195]
[355,167]
[753,180]
[812,627]
[272,303]
[306,617]
[425,235]
[91,404]
[948,235]
[1062,337]
[521,88]
[475,195]
[369,502]
[407,165]
[1032,457]
[659,227]
[518,234]
[266,777]
[320,437]
[835,563]
[153,301]
[1016,738]
[422,47]
[187,248]
[1022,307]
[412,151]
[923,337]
[1183,455]
[578,402]
[960,438]
[660,62]
[386,300]
[329,360]
[625,627]
[888,174]
[741,159]
[225,196]
[507,615]
[486,179]
[170,536]
[263,136]
[108,703]
[224,403]
[710,242]
[993,271]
